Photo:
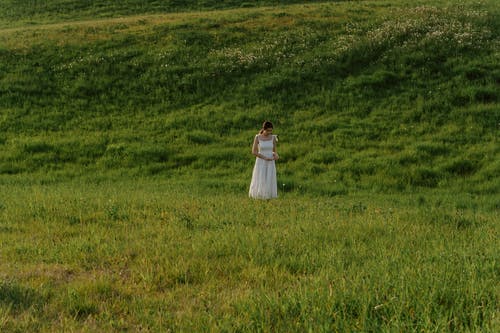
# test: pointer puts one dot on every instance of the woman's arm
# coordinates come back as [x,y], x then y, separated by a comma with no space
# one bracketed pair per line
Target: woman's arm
[255,147]
[275,153]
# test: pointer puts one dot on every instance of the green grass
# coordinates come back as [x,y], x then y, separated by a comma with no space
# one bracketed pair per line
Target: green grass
[125,139]
[32,12]
[155,256]
[369,82]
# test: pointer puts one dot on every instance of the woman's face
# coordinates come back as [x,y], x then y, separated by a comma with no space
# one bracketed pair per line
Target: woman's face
[268,131]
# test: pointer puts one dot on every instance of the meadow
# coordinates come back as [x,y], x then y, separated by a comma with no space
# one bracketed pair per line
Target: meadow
[149,256]
[125,138]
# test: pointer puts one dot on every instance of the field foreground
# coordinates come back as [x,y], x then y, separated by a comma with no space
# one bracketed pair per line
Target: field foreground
[152,256]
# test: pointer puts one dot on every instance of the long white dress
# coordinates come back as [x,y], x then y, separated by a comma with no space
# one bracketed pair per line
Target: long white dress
[264,184]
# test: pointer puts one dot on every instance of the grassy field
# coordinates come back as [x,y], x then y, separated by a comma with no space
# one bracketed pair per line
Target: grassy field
[375,95]
[125,137]
[152,256]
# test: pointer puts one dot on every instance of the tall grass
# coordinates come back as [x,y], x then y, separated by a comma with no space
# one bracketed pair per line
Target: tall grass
[125,162]
[149,255]
[371,84]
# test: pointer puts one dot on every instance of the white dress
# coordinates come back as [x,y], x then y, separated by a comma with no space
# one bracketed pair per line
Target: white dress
[264,184]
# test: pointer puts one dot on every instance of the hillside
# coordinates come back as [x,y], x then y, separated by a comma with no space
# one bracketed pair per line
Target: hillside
[125,137]
[368,95]
[32,12]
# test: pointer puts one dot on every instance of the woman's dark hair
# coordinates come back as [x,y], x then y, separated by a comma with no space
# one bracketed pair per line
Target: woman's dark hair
[266,125]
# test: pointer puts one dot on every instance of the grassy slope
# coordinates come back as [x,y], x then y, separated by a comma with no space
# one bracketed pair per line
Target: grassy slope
[369,94]
[143,124]
[32,12]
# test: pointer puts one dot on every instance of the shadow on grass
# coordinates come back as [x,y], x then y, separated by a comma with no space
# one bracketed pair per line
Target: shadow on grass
[19,297]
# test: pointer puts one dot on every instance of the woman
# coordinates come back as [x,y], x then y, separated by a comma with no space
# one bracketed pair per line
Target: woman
[264,184]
